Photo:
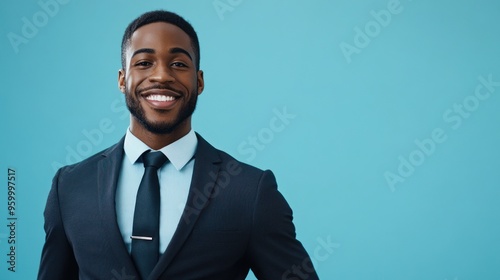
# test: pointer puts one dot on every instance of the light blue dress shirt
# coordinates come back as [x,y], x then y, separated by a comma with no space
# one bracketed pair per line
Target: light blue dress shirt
[175,179]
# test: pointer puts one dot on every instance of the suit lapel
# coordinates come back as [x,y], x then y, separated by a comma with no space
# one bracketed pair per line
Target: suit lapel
[107,179]
[206,168]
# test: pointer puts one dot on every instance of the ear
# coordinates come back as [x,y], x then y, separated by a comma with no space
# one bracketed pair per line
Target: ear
[201,82]
[121,80]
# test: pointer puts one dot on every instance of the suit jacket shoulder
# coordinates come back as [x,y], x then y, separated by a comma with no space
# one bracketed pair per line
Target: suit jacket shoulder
[92,161]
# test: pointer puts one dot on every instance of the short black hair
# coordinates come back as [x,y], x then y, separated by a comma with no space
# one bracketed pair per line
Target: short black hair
[161,16]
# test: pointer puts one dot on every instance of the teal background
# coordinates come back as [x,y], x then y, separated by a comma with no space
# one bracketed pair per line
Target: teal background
[353,121]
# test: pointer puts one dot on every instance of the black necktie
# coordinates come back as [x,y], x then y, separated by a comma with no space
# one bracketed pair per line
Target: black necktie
[145,232]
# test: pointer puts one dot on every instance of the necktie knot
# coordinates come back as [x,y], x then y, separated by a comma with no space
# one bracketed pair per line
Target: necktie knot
[154,159]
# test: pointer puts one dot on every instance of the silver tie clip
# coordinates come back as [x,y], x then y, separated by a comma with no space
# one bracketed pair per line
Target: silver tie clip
[141,237]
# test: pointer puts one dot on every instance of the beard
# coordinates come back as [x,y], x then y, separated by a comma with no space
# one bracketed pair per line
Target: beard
[162,127]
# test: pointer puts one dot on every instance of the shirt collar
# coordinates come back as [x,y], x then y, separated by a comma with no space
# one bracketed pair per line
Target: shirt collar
[179,153]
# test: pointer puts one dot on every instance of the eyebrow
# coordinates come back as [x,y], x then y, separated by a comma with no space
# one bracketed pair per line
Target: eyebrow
[172,51]
[145,50]
[181,50]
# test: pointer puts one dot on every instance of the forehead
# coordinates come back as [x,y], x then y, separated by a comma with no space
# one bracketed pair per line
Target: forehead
[159,36]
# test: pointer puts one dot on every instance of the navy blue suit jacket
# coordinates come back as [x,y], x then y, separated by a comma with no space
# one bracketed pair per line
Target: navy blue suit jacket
[235,220]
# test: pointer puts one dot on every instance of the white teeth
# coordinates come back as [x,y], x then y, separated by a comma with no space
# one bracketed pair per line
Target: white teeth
[160,98]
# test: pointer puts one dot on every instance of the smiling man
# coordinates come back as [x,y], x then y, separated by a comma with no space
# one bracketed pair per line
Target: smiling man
[163,203]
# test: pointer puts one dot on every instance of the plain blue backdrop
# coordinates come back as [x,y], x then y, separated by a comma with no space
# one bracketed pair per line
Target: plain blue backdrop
[386,145]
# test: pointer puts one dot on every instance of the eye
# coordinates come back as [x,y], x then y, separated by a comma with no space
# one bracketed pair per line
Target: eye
[143,63]
[179,64]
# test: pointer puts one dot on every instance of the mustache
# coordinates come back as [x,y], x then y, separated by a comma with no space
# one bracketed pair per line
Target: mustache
[141,90]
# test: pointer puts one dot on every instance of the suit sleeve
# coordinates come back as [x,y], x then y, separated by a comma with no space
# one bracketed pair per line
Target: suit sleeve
[58,260]
[274,251]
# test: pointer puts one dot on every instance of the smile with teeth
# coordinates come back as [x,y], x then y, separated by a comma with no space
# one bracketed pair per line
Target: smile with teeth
[159,97]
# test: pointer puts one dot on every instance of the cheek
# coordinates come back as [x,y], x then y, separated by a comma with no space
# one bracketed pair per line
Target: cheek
[191,84]
[134,80]
[130,83]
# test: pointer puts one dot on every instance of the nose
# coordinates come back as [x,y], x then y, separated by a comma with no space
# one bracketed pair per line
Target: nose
[162,74]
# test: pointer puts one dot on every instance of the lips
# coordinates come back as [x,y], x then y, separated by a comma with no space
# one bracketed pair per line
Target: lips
[162,99]
[158,97]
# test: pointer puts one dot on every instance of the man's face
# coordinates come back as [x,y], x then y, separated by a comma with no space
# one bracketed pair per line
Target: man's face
[160,82]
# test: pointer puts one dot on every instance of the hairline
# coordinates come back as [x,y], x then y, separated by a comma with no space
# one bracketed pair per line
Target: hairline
[127,44]
[171,18]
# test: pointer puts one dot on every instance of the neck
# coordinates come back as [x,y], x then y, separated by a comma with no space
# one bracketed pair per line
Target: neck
[158,141]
